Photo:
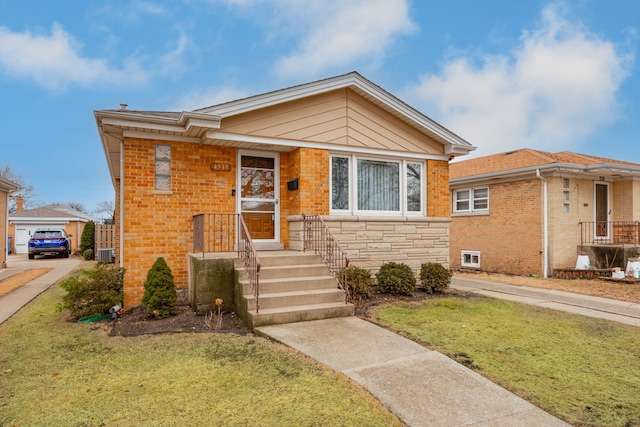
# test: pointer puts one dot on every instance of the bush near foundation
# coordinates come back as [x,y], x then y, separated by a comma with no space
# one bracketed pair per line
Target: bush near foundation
[396,279]
[434,277]
[358,284]
[88,237]
[93,292]
[160,297]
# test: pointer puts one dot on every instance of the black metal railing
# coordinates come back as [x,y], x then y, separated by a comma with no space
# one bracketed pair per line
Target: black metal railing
[610,233]
[249,254]
[214,232]
[318,238]
[227,232]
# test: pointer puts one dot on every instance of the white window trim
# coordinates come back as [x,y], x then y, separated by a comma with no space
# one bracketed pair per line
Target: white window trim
[471,200]
[471,254]
[353,190]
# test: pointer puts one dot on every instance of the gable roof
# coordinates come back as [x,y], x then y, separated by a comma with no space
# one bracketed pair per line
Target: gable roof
[528,161]
[202,126]
[53,211]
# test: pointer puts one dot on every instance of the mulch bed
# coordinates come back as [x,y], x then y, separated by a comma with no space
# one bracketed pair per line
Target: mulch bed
[135,322]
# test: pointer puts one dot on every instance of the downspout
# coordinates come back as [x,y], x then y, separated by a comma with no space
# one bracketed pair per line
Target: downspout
[121,203]
[545,224]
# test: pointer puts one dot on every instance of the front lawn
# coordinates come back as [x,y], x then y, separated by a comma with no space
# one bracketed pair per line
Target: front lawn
[585,371]
[57,373]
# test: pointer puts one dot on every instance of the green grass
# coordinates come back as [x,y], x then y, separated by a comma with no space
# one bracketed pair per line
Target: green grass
[585,371]
[55,372]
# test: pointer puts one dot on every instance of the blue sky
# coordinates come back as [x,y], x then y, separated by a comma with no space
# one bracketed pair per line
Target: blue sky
[502,74]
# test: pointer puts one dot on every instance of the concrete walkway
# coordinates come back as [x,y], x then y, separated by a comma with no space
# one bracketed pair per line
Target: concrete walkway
[603,308]
[17,263]
[422,387]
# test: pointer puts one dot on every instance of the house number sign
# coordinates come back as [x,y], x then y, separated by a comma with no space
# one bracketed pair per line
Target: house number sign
[224,167]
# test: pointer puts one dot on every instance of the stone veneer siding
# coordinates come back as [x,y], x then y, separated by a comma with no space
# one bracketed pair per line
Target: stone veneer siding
[372,241]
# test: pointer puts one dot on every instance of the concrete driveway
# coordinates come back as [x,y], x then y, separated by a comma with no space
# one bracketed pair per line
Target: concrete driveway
[17,263]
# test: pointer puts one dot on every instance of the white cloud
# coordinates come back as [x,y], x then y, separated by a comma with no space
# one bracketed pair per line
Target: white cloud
[556,88]
[327,33]
[55,61]
[337,34]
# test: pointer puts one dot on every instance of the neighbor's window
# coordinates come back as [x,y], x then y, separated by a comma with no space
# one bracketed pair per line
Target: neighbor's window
[163,167]
[471,200]
[470,259]
[364,185]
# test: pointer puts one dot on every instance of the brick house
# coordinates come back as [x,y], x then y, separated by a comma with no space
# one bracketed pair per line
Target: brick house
[23,222]
[6,187]
[531,212]
[375,169]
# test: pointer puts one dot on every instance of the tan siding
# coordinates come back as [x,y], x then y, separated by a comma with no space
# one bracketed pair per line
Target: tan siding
[340,117]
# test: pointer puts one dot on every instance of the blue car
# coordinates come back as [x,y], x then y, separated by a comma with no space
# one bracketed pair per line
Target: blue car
[49,241]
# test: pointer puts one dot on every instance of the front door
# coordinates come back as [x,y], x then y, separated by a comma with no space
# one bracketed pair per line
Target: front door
[602,210]
[258,187]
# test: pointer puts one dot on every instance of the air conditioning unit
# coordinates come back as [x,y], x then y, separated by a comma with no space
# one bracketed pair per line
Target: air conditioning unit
[107,255]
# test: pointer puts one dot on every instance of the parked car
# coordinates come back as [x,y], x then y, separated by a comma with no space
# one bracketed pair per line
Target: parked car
[49,241]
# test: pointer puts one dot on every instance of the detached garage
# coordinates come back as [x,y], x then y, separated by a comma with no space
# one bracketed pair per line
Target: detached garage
[23,223]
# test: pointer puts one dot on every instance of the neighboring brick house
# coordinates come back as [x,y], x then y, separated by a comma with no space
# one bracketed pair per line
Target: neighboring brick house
[530,212]
[6,187]
[23,222]
[374,168]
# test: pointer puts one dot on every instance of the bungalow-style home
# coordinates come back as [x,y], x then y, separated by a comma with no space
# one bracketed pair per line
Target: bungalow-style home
[374,170]
[23,222]
[532,212]
[6,187]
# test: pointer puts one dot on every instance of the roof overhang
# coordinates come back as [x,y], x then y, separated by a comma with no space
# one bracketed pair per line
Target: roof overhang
[603,171]
[8,186]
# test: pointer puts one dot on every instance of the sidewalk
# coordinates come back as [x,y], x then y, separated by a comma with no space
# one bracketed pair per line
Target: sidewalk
[422,387]
[18,298]
[603,308]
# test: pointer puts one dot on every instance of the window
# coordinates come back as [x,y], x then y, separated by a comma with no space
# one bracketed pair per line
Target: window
[471,200]
[470,259]
[365,185]
[565,182]
[162,167]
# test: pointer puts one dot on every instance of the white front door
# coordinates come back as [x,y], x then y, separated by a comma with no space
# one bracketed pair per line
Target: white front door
[259,193]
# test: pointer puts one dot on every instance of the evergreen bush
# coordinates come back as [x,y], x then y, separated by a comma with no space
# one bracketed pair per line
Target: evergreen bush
[87,254]
[358,284]
[88,238]
[92,292]
[434,277]
[396,279]
[160,296]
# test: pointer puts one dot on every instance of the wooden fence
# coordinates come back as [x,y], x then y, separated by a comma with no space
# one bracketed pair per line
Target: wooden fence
[105,236]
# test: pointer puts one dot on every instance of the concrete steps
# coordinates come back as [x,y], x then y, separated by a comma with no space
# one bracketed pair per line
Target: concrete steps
[294,287]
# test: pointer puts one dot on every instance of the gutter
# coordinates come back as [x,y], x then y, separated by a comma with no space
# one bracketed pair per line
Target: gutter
[545,224]
[121,249]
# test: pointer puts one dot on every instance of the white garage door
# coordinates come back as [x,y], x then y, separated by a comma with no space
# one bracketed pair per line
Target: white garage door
[24,232]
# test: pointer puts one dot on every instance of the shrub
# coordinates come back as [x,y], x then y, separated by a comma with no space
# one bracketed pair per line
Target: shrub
[88,238]
[93,292]
[434,277]
[394,278]
[87,254]
[160,296]
[358,284]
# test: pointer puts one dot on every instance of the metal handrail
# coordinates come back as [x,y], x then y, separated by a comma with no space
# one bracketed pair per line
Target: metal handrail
[609,232]
[249,254]
[214,232]
[318,237]
[227,232]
